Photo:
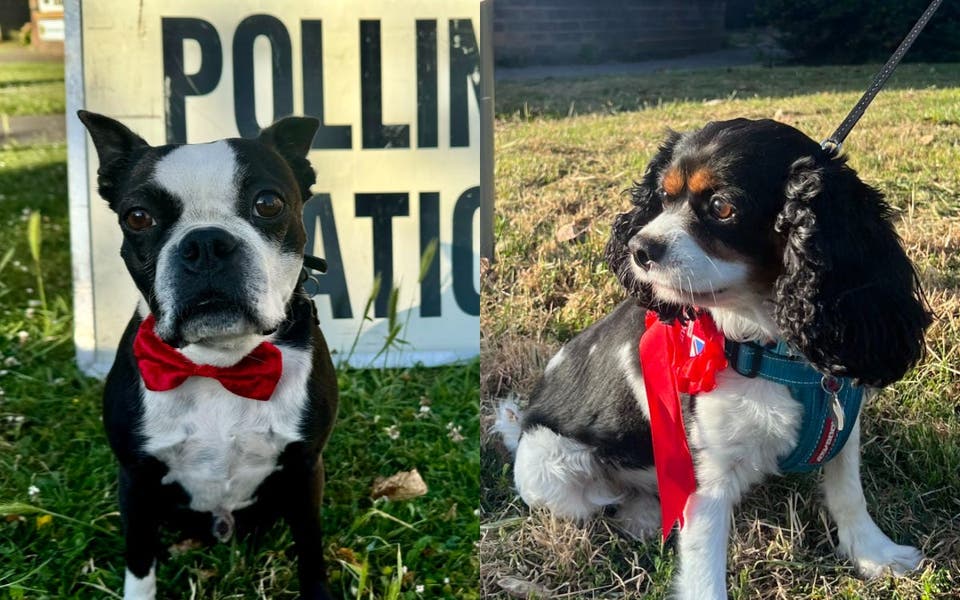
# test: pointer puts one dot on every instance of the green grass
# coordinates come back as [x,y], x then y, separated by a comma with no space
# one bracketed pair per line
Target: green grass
[51,439]
[565,152]
[31,88]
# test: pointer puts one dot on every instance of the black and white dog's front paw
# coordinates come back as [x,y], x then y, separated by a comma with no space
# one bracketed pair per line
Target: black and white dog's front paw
[140,588]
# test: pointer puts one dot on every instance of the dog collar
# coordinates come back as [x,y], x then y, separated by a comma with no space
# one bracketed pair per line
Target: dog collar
[831,405]
[163,368]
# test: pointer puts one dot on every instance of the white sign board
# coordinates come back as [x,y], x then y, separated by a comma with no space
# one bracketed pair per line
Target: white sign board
[50,30]
[396,87]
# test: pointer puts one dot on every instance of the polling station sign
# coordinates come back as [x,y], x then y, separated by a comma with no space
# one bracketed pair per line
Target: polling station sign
[396,86]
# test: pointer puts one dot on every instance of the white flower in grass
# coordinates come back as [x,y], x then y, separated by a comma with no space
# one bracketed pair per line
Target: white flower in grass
[33,303]
[405,569]
[30,313]
[446,581]
[11,361]
[419,589]
[393,432]
[454,434]
[33,491]
[23,336]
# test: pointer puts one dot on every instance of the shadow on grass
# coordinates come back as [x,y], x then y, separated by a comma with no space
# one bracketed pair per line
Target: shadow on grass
[558,98]
[28,82]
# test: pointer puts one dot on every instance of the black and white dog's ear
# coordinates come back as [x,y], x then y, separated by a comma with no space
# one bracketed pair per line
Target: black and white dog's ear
[647,204]
[292,138]
[115,143]
[848,298]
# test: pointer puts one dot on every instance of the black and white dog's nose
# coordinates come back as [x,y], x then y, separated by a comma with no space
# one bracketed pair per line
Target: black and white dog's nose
[646,251]
[206,249]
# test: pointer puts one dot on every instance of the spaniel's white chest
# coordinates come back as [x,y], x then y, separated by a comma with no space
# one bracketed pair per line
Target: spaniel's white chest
[745,423]
[218,446]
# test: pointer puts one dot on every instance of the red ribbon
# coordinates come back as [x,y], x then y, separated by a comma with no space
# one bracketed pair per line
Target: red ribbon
[676,358]
[164,368]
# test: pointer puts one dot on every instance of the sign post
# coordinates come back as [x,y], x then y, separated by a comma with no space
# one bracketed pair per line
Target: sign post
[396,86]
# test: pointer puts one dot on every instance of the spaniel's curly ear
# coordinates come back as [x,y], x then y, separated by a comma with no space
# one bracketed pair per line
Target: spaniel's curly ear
[849,297]
[647,204]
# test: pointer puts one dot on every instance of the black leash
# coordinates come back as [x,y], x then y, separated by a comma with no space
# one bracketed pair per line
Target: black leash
[833,143]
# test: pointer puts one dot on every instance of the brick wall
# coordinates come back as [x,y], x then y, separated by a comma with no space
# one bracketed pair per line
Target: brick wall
[583,31]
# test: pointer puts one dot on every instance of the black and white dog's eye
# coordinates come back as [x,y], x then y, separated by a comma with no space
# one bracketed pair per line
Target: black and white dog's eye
[138,219]
[268,205]
[722,209]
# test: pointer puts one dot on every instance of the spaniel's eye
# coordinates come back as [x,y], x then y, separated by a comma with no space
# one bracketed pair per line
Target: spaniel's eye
[268,205]
[138,219]
[722,209]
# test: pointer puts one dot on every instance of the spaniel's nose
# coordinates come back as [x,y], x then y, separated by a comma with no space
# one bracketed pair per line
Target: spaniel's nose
[646,251]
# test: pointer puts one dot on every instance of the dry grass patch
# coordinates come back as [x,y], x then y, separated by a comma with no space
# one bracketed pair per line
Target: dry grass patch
[555,171]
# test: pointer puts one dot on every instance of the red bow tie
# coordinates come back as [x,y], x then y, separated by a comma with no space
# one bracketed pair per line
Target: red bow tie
[164,368]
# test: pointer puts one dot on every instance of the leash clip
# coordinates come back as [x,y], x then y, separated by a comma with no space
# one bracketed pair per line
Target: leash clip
[831,146]
[832,385]
[307,278]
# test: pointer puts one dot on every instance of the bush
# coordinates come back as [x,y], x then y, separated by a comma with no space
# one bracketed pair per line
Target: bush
[857,31]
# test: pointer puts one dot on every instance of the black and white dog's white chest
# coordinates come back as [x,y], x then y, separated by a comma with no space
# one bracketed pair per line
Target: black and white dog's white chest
[219,446]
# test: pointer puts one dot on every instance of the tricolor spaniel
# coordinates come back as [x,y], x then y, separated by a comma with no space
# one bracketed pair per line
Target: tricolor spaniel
[777,240]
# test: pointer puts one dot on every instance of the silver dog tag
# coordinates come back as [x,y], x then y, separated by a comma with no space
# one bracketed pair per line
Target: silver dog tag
[832,386]
[838,414]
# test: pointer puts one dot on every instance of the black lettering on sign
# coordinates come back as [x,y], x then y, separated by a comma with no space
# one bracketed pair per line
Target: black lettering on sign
[464,72]
[334,281]
[177,84]
[466,295]
[429,231]
[427,84]
[382,208]
[374,133]
[244,94]
[328,136]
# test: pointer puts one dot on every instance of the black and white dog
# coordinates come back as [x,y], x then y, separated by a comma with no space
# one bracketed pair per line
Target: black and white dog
[754,223]
[223,392]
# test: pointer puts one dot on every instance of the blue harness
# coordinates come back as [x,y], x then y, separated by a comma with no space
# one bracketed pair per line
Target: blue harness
[831,405]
